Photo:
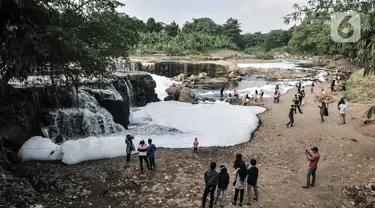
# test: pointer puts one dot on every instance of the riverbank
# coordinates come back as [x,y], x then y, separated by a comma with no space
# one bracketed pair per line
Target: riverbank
[346,159]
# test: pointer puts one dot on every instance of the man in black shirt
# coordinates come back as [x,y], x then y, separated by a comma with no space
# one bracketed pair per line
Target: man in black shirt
[222,94]
[292,111]
[252,180]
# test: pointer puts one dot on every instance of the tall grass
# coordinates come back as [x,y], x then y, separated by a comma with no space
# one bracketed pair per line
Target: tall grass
[360,88]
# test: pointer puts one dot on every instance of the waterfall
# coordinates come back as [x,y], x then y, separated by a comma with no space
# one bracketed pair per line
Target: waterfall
[89,119]
[126,65]
[130,92]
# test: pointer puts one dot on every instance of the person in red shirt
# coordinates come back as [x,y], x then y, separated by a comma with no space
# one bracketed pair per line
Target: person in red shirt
[311,171]
[195,144]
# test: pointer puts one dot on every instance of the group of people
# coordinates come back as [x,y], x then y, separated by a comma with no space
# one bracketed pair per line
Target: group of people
[324,105]
[146,152]
[277,94]
[244,177]
[246,99]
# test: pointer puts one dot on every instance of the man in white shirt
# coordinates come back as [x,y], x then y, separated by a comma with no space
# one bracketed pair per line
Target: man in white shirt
[342,108]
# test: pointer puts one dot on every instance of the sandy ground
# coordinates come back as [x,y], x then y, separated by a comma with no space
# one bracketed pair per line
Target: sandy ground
[347,158]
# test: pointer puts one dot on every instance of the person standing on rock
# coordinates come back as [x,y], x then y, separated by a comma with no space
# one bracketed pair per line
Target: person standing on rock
[261,95]
[252,180]
[240,183]
[222,94]
[292,111]
[210,178]
[151,149]
[235,94]
[129,146]
[297,103]
[311,171]
[142,149]
[222,185]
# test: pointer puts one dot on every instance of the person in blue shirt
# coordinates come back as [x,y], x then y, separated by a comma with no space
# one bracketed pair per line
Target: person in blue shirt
[151,149]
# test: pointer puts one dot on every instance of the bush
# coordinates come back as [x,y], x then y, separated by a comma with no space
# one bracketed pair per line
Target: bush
[264,56]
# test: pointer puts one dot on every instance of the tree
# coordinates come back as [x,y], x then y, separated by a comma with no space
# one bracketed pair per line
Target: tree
[172,29]
[154,26]
[232,30]
[276,39]
[202,25]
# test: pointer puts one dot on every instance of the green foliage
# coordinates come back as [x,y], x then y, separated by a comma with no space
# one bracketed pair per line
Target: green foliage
[182,44]
[173,29]
[276,39]
[202,25]
[153,26]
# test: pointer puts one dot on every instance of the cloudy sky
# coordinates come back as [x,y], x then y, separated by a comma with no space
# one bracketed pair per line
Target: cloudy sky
[254,15]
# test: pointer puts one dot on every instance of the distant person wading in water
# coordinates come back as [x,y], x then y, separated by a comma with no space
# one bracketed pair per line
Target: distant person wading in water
[129,146]
[261,95]
[222,94]
[311,171]
[142,148]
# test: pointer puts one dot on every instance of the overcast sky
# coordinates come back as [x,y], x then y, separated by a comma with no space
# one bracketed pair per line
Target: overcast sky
[254,15]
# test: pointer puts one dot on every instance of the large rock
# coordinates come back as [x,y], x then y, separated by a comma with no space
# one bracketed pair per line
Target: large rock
[144,89]
[18,118]
[187,95]
[234,101]
[119,109]
[174,90]
[202,75]
[179,78]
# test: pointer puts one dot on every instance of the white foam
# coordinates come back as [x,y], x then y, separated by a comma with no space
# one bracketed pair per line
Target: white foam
[39,148]
[162,83]
[215,125]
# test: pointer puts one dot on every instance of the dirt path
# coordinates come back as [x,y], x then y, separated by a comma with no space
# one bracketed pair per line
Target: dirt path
[347,158]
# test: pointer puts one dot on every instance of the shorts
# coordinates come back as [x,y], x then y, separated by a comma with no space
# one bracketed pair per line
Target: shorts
[342,114]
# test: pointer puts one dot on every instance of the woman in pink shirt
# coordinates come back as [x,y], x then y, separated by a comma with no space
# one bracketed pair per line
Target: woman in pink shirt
[142,149]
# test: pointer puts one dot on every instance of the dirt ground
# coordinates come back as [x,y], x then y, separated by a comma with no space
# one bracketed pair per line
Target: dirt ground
[347,159]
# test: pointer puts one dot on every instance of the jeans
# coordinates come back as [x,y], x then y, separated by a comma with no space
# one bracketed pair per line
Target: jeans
[211,191]
[255,187]
[219,191]
[141,158]
[152,162]
[310,172]
[241,191]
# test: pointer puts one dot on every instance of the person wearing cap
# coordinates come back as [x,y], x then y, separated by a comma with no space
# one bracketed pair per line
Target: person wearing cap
[311,171]
[129,146]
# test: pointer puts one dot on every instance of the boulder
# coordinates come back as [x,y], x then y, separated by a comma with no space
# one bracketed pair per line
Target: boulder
[179,78]
[192,78]
[174,90]
[119,109]
[171,97]
[235,101]
[232,75]
[187,95]
[208,99]
[144,89]
[19,118]
[202,75]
